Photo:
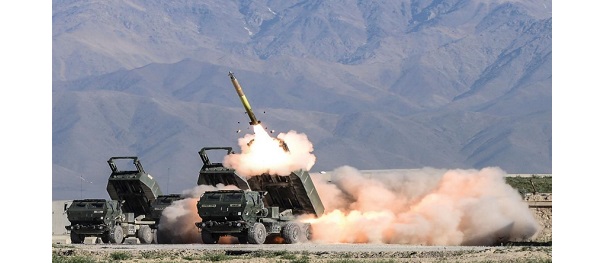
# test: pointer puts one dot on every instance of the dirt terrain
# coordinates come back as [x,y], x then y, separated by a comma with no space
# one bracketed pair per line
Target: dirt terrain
[543,216]
[538,250]
[308,252]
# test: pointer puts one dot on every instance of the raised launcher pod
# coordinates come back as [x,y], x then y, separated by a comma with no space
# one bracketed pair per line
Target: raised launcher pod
[215,173]
[295,191]
[136,187]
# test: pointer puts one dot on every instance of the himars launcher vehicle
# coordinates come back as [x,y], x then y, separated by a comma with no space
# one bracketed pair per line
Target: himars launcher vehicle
[265,205]
[128,214]
[252,215]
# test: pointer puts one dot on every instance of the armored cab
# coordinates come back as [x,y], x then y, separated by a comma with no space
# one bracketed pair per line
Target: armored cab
[93,217]
[213,173]
[236,205]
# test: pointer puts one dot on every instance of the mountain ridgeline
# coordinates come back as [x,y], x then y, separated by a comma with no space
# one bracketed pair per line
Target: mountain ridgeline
[373,84]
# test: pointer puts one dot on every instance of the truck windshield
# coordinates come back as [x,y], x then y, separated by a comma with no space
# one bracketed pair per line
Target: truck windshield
[97,205]
[232,197]
[211,197]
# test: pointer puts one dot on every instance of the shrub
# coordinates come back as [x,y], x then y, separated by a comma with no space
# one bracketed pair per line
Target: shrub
[120,256]
[71,259]
[215,257]
[303,259]
[152,254]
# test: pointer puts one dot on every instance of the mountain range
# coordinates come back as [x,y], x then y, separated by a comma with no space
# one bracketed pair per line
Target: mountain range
[460,84]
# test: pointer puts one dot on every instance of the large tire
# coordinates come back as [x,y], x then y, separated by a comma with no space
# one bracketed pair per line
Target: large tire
[209,238]
[76,238]
[116,235]
[306,233]
[291,233]
[145,234]
[257,234]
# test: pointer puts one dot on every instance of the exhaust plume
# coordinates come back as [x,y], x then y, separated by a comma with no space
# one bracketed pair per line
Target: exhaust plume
[263,154]
[422,206]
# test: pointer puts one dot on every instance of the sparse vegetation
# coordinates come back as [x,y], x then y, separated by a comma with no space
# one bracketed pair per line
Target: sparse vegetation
[533,260]
[72,259]
[192,258]
[513,253]
[266,254]
[152,254]
[216,257]
[345,260]
[533,184]
[288,256]
[302,259]
[120,255]
[282,253]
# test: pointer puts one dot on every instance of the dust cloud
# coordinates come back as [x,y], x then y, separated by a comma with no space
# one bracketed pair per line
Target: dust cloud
[422,207]
[177,222]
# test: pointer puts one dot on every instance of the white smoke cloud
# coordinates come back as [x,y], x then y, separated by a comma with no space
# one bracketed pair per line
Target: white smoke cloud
[266,155]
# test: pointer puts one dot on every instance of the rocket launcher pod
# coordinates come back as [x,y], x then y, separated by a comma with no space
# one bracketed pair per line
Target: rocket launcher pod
[295,191]
[215,173]
[136,187]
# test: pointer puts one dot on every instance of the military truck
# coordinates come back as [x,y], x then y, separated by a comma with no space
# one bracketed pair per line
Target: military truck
[95,217]
[128,214]
[268,207]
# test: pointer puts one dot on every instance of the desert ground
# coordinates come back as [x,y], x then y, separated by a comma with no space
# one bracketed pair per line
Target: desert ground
[537,250]
[307,252]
